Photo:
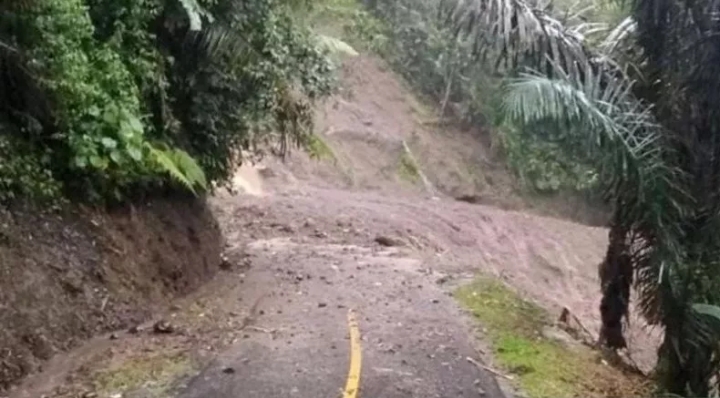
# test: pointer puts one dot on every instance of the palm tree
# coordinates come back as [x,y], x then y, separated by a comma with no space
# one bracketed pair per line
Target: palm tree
[641,104]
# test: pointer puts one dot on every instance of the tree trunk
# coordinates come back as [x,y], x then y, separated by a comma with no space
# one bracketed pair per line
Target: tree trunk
[616,275]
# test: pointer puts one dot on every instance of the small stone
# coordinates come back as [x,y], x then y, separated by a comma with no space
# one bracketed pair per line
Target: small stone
[228,370]
[114,336]
[388,241]
[163,327]
[435,301]
[225,264]
[322,305]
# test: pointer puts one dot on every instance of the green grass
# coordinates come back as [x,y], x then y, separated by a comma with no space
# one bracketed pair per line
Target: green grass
[155,374]
[542,368]
[408,170]
[319,149]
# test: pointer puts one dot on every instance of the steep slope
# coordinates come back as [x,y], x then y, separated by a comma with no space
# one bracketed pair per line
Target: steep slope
[364,131]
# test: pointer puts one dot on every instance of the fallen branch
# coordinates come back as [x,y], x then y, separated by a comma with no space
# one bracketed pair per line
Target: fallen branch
[261,330]
[564,319]
[489,369]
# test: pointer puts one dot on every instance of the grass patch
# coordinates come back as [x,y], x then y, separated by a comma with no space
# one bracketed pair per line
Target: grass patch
[155,374]
[408,170]
[319,149]
[543,368]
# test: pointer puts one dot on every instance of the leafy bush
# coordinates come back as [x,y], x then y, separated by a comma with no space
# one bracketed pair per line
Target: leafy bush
[106,98]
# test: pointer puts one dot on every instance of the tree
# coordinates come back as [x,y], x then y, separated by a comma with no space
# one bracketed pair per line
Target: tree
[641,103]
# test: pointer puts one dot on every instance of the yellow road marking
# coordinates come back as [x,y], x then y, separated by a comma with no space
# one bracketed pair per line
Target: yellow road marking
[353,380]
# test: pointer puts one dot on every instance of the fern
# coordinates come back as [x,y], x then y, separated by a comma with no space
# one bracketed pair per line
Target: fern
[180,166]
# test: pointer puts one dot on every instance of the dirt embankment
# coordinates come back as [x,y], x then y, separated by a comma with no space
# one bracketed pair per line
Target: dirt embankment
[377,135]
[67,276]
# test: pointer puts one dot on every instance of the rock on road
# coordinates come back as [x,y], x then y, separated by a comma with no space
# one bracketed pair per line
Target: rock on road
[415,340]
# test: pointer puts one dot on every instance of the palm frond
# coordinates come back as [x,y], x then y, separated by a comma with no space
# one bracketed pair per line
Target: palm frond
[605,126]
[195,14]
[593,115]
[514,33]
[619,35]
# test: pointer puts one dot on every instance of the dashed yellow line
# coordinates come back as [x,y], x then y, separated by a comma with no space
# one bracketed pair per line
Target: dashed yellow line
[353,381]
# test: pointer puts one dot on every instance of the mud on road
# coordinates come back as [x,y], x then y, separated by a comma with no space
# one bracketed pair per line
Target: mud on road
[414,340]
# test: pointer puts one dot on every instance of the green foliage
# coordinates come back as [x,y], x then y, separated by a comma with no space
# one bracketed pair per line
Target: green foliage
[319,149]
[24,171]
[179,165]
[408,169]
[543,165]
[121,96]
[640,105]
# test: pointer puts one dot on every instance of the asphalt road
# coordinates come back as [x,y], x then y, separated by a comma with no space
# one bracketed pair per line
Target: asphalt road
[415,341]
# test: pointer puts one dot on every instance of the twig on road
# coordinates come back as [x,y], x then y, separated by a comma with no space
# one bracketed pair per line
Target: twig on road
[489,369]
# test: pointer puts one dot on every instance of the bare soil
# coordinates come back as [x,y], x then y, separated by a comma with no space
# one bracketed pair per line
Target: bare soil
[69,275]
[547,247]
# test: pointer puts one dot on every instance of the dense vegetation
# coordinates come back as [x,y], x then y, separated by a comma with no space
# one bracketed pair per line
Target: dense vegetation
[623,97]
[106,99]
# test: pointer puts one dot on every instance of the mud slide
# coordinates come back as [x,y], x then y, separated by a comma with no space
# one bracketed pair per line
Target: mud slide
[355,228]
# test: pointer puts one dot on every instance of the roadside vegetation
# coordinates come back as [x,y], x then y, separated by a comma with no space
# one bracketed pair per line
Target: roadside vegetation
[542,366]
[615,99]
[106,100]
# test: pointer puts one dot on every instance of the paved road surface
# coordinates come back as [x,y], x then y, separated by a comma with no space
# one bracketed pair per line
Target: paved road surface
[415,341]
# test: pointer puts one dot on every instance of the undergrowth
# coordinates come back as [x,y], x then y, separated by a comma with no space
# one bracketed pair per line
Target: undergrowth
[543,367]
